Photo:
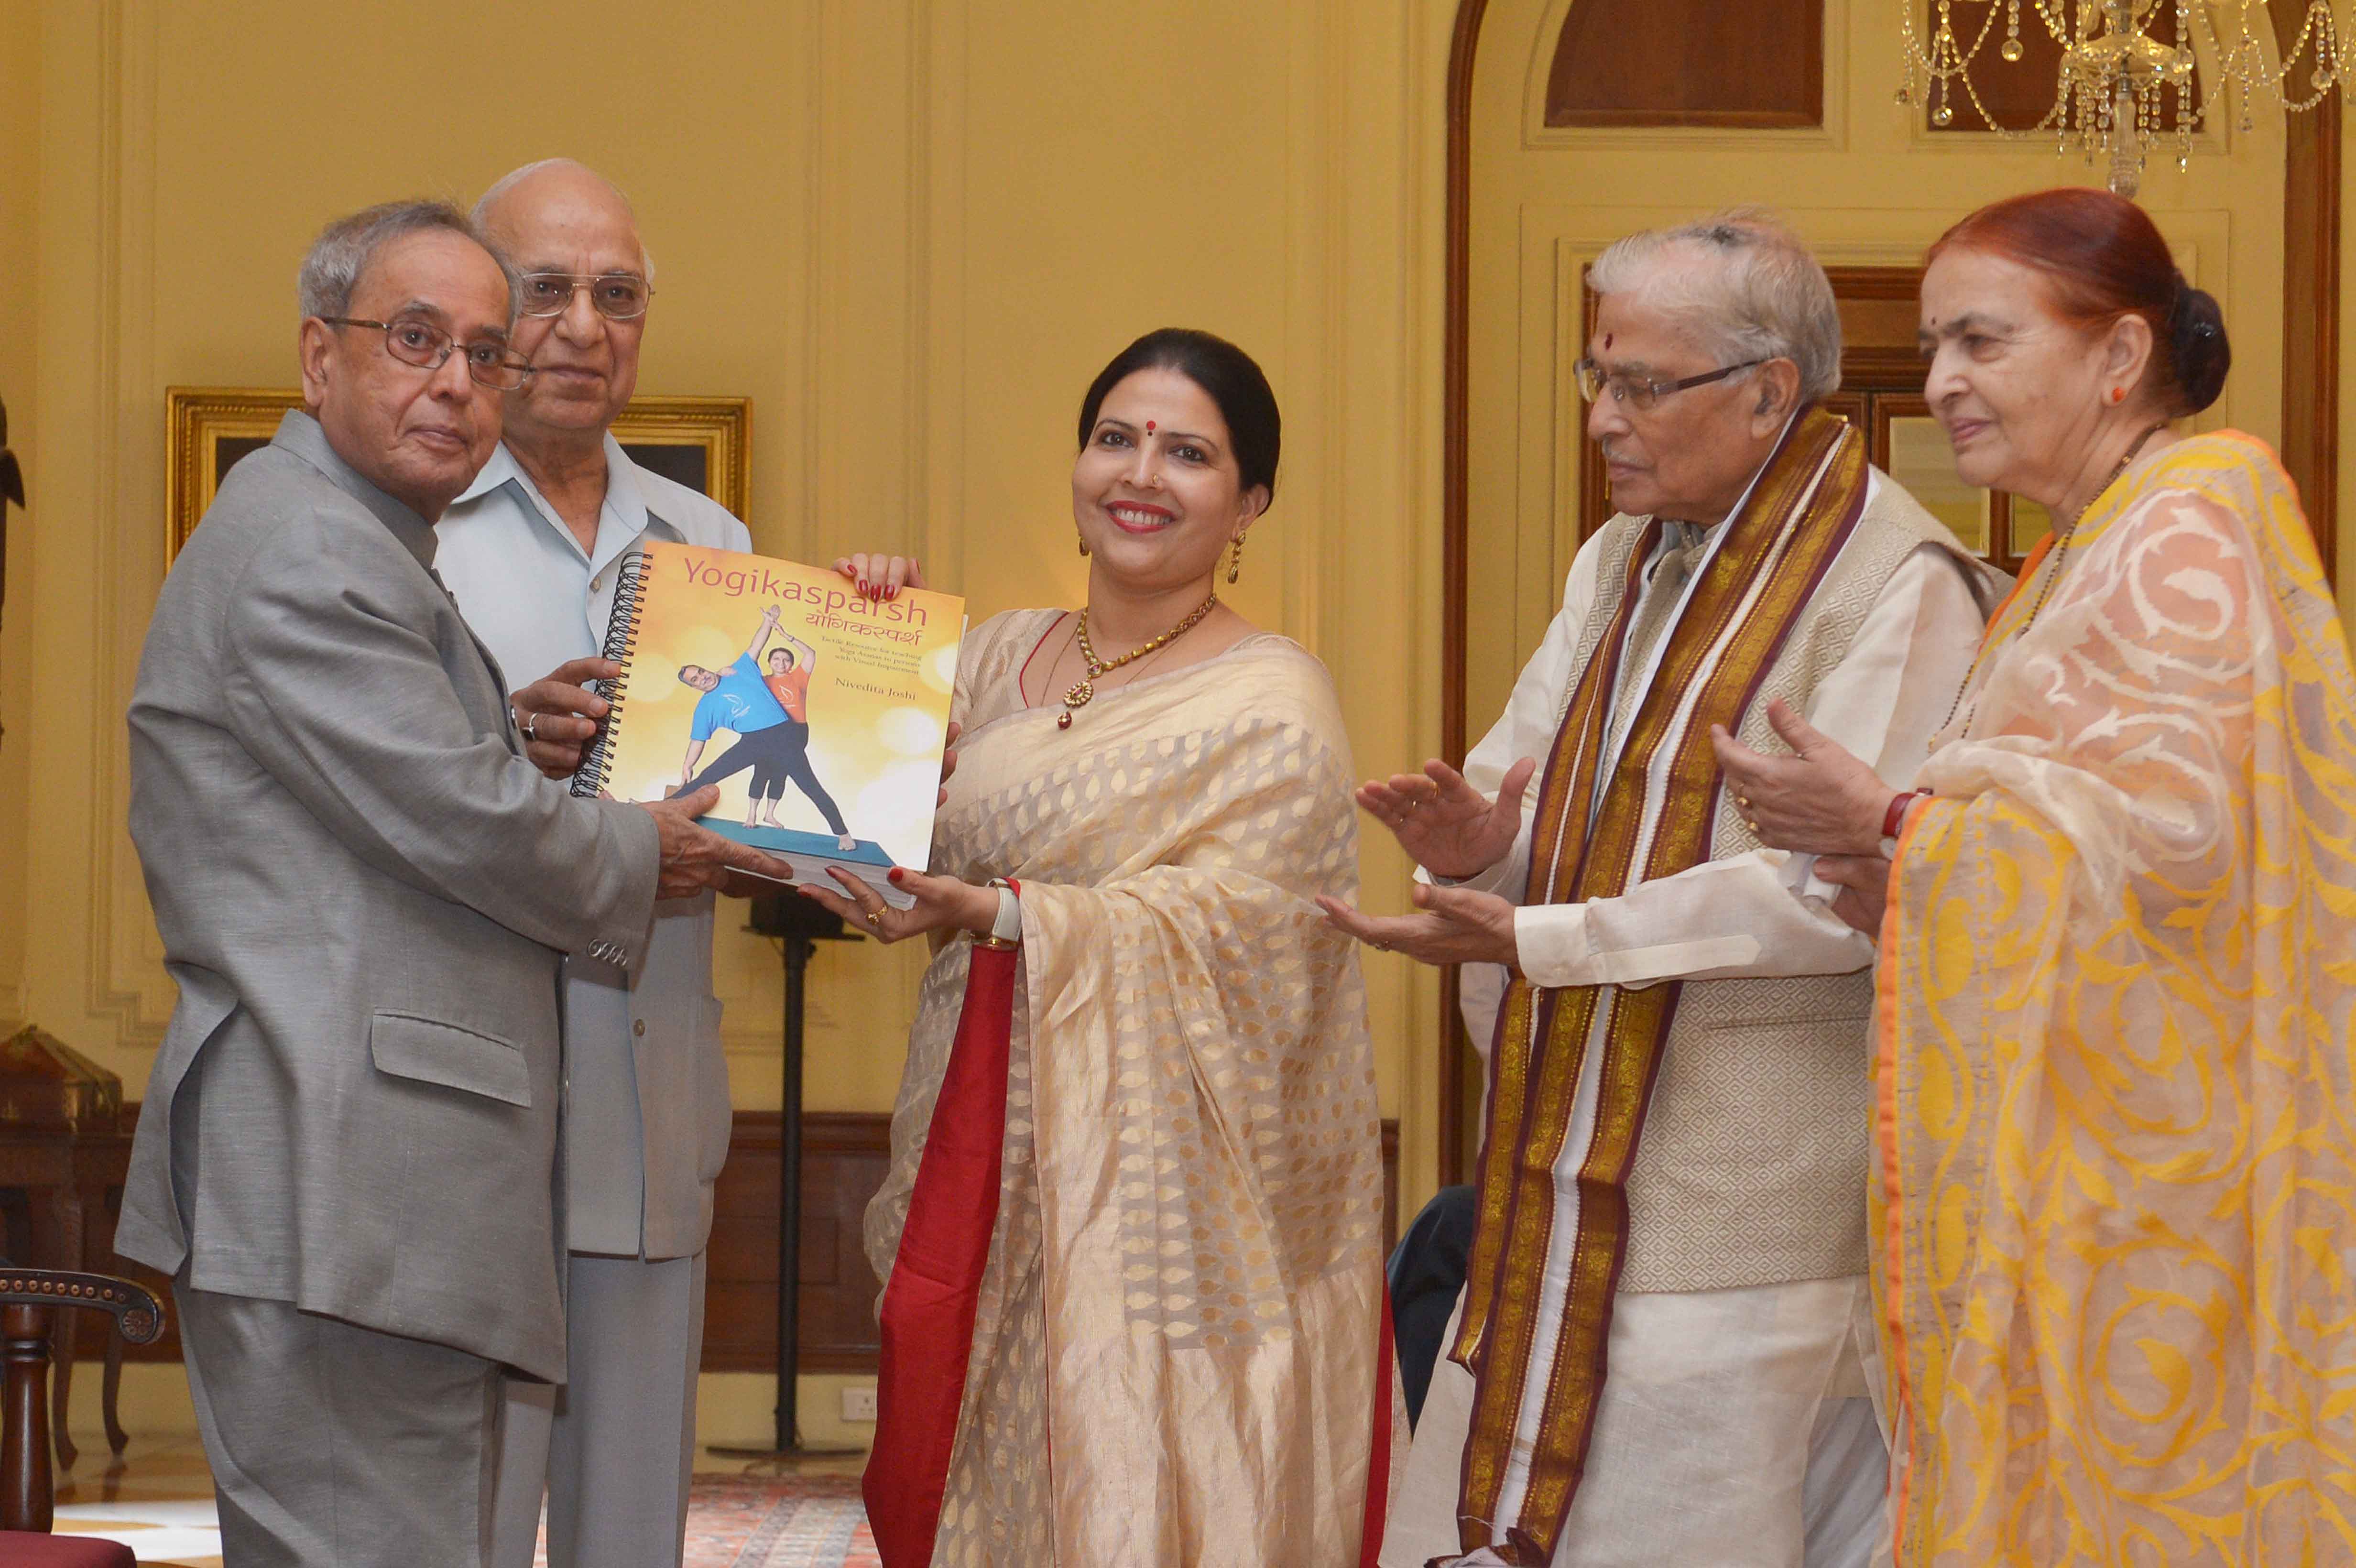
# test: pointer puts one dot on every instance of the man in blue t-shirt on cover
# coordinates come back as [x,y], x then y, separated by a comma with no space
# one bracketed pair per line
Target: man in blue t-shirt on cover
[769,740]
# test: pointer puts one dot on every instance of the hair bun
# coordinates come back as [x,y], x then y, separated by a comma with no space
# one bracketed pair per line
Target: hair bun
[2195,330]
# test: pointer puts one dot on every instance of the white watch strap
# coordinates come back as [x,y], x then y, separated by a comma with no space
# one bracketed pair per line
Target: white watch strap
[1008,927]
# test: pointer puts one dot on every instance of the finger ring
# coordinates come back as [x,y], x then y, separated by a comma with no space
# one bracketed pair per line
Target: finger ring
[531,728]
[1743,801]
[1753,823]
[875,918]
[1382,948]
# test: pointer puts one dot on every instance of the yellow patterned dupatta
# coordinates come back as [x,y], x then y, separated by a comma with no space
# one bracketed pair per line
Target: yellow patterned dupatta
[1176,1355]
[2114,1224]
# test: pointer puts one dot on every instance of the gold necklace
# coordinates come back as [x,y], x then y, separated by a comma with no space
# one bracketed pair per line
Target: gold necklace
[1084,691]
[2061,556]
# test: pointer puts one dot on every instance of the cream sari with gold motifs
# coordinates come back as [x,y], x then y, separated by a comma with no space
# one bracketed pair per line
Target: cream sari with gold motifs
[1175,1359]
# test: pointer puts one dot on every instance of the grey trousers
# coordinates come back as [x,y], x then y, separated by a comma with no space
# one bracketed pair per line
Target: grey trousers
[616,1442]
[336,1446]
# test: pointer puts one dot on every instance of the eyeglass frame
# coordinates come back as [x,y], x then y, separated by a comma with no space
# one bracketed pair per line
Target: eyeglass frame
[586,280]
[1587,369]
[525,370]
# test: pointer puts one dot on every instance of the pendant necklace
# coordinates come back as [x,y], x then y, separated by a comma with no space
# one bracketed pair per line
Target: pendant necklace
[1084,690]
[2061,557]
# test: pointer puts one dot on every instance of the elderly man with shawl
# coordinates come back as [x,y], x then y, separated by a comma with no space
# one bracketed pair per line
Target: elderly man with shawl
[1664,1348]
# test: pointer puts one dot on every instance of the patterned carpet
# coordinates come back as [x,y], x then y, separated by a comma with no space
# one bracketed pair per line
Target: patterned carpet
[778,1522]
[733,1522]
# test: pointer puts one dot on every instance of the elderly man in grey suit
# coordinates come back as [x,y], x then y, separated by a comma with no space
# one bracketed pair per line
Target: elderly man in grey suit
[531,550]
[348,1156]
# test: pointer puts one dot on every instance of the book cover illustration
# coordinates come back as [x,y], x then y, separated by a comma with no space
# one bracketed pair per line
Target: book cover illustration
[820,715]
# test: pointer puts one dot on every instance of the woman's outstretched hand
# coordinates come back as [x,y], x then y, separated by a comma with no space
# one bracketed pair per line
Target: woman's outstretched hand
[1822,800]
[1445,824]
[880,576]
[943,903]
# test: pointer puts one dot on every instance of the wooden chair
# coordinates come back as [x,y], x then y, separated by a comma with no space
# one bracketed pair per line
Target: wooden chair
[29,1299]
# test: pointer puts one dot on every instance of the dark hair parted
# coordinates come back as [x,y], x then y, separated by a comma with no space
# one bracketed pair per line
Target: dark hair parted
[1228,375]
[2104,258]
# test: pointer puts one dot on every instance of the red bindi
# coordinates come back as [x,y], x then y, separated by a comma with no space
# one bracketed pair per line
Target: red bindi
[1607,340]
[1149,427]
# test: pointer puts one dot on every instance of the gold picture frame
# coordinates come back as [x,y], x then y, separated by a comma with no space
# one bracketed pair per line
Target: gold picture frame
[705,444]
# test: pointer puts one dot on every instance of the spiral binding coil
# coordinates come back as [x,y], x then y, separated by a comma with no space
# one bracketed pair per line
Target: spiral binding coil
[621,642]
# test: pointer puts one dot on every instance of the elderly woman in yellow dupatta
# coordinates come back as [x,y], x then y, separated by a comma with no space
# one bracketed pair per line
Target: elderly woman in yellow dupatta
[2117,954]
[1165,1313]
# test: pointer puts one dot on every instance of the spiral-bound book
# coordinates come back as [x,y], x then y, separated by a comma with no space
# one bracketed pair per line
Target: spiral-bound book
[820,715]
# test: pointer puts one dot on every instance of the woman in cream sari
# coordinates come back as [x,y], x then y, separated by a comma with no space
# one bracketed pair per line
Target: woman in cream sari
[2116,1193]
[1173,1279]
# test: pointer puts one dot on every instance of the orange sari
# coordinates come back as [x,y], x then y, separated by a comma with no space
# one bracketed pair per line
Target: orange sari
[2117,1208]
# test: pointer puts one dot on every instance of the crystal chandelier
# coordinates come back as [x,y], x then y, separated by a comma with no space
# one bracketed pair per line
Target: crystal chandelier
[2119,90]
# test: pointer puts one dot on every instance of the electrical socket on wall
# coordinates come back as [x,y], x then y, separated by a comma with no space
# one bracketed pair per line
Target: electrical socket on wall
[858,1403]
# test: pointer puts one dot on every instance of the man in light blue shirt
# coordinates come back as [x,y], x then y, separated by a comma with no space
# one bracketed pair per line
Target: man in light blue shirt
[530,550]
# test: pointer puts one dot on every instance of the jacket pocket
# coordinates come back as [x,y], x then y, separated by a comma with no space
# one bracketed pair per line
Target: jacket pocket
[408,1045]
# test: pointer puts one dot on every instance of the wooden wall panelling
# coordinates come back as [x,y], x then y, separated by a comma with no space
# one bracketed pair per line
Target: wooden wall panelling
[845,1158]
[2311,385]
[1702,63]
[1458,1061]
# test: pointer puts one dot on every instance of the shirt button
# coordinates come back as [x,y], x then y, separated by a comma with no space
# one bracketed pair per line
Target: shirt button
[595,583]
[638,1028]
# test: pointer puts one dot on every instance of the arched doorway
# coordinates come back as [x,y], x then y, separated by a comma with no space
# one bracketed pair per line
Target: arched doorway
[1574,122]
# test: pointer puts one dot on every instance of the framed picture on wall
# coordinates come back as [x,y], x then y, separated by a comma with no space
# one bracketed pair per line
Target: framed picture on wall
[705,444]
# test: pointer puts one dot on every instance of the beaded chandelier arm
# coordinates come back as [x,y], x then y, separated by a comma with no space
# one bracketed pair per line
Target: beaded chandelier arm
[2113,93]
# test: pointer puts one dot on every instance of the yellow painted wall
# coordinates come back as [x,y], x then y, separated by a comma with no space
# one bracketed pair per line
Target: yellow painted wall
[20,103]
[910,230]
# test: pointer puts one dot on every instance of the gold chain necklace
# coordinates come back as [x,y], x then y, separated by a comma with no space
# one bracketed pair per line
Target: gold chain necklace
[2061,557]
[1084,691]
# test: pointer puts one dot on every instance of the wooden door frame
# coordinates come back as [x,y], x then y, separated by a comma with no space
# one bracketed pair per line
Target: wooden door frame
[2310,421]
[1455,1159]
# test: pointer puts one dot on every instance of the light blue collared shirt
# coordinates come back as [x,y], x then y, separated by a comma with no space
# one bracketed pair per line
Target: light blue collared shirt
[647,1111]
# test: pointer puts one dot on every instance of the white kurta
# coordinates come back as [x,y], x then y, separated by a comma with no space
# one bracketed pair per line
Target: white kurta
[1724,1409]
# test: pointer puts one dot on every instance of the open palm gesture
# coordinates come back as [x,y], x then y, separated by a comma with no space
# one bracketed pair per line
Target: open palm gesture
[1445,824]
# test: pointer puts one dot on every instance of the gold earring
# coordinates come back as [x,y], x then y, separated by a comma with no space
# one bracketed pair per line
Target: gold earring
[1083,544]
[1236,561]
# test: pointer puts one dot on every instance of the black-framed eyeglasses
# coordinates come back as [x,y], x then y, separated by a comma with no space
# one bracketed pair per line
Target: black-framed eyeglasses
[617,296]
[427,347]
[1643,391]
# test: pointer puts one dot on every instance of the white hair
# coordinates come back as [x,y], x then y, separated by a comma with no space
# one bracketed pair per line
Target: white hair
[332,268]
[514,178]
[1763,298]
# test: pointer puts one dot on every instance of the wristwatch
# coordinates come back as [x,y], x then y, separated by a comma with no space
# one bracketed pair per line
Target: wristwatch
[1006,931]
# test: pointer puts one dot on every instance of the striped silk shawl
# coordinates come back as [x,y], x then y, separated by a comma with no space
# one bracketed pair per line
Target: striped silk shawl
[1576,1066]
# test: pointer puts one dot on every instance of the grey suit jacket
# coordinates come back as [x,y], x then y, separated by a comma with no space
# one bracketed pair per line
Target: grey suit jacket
[364,893]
